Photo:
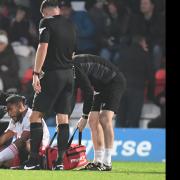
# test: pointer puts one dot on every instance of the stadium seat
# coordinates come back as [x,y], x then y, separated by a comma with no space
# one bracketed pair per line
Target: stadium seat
[160,81]
[149,112]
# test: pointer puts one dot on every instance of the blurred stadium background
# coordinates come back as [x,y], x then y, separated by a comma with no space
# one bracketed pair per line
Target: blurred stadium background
[105,28]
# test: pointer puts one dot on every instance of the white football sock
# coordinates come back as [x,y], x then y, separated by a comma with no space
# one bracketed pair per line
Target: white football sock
[107,157]
[98,155]
[8,153]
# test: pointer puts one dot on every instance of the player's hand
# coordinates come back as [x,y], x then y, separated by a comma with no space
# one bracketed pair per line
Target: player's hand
[36,84]
[81,124]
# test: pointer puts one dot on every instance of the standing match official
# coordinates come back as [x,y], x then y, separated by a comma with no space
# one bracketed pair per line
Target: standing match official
[54,89]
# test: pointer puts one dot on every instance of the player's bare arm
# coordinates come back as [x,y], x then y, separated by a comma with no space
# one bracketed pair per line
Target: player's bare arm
[5,137]
[39,61]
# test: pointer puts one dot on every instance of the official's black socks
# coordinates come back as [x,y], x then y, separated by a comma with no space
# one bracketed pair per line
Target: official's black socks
[62,141]
[36,135]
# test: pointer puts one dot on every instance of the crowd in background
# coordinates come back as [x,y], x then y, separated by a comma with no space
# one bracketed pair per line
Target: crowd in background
[129,33]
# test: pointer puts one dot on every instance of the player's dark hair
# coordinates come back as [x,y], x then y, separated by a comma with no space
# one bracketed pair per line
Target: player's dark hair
[48,3]
[64,3]
[14,99]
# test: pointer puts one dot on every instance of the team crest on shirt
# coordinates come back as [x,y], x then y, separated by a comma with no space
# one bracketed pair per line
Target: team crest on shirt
[41,30]
[104,104]
[96,93]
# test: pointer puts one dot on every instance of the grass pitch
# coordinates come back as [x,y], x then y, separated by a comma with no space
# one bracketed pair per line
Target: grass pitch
[121,171]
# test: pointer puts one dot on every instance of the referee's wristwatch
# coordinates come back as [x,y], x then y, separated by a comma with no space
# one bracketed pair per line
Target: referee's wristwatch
[85,116]
[36,73]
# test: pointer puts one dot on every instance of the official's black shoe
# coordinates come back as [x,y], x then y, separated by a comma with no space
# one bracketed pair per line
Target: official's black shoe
[31,164]
[59,167]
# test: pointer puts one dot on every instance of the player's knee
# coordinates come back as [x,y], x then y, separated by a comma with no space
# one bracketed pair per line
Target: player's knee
[62,119]
[105,121]
[36,117]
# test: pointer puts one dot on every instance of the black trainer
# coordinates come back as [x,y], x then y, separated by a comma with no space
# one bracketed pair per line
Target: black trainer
[93,166]
[106,168]
[59,167]
[31,164]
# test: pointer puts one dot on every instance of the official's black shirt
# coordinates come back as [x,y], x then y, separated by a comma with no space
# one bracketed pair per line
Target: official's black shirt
[94,72]
[99,71]
[60,34]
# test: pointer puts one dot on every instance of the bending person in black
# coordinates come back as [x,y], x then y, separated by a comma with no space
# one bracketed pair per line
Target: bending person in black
[109,85]
[54,88]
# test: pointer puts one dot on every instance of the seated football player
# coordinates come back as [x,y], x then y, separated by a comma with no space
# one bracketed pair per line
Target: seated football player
[19,129]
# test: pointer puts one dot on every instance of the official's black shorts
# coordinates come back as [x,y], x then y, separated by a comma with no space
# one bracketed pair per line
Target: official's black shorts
[109,98]
[56,92]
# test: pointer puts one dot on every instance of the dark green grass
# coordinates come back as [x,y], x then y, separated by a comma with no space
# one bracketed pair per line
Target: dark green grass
[121,171]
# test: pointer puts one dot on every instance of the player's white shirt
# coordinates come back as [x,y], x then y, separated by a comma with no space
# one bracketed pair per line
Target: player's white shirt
[19,127]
